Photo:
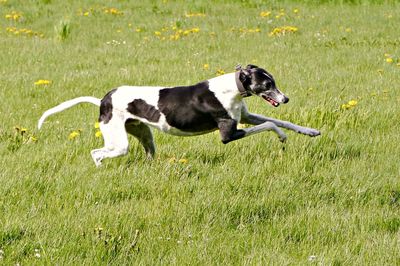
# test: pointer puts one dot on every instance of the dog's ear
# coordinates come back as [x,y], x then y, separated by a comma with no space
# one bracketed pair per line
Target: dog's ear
[251,67]
[244,75]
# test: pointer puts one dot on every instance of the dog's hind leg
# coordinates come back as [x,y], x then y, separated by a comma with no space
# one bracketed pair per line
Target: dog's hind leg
[115,141]
[143,133]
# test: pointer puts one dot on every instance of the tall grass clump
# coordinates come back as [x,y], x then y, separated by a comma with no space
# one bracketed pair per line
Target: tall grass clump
[63,30]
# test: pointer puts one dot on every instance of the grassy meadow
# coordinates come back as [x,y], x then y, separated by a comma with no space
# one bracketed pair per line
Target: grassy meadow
[330,200]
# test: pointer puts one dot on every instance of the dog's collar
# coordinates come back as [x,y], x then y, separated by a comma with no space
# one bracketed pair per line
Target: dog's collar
[241,88]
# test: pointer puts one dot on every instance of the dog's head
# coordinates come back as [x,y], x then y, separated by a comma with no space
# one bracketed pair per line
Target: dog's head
[258,81]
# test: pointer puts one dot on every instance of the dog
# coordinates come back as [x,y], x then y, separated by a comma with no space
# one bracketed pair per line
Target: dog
[214,104]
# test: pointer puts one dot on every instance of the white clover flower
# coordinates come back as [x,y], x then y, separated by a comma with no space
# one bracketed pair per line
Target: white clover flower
[37,254]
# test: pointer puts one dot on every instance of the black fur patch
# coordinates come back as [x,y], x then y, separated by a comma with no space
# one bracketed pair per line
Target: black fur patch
[140,108]
[106,107]
[192,108]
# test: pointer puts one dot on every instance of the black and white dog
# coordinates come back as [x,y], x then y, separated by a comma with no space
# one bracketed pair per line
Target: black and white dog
[213,104]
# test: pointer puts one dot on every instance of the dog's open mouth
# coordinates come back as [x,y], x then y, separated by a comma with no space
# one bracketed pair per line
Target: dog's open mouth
[271,101]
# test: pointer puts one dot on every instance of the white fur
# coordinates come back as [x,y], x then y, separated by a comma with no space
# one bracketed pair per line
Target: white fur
[226,91]
[66,105]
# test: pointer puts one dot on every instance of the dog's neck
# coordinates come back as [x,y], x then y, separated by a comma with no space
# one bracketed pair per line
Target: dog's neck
[243,91]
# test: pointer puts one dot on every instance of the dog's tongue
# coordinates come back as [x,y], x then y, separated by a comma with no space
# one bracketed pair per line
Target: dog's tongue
[275,104]
[271,101]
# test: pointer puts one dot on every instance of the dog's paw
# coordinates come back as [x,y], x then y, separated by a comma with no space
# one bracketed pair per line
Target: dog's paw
[314,132]
[96,157]
[282,138]
[309,132]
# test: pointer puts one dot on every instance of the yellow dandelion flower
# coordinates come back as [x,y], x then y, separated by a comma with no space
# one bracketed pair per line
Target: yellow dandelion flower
[283,30]
[220,72]
[32,139]
[352,103]
[14,15]
[349,105]
[138,29]
[174,37]
[10,29]
[195,30]
[41,82]
[113,11]
[183,161]
[345,106]
[389,60]
[189,15]
[98,230]
[73,134]
[96,125]
[98,134]
[265,14]
[172,160]
[21,130]
[206,66]
[157,33]
[295,10]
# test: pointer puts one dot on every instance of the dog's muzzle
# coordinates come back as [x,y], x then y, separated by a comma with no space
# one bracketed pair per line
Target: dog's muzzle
[275,99]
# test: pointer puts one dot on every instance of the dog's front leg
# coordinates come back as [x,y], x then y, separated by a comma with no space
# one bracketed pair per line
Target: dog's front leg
[229,132]
[256,119]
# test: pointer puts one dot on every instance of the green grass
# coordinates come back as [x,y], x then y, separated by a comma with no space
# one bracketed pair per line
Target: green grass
[331,200]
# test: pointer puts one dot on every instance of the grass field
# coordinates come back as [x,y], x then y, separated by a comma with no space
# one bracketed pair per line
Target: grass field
[330,200]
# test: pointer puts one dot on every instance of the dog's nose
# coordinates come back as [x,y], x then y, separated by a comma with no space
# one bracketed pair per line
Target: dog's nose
[285,99]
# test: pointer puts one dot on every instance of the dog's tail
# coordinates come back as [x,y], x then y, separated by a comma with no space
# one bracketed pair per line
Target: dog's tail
[66,105]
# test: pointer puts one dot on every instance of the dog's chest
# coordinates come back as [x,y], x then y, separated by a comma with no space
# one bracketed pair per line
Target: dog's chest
[225,91]
[232,106]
